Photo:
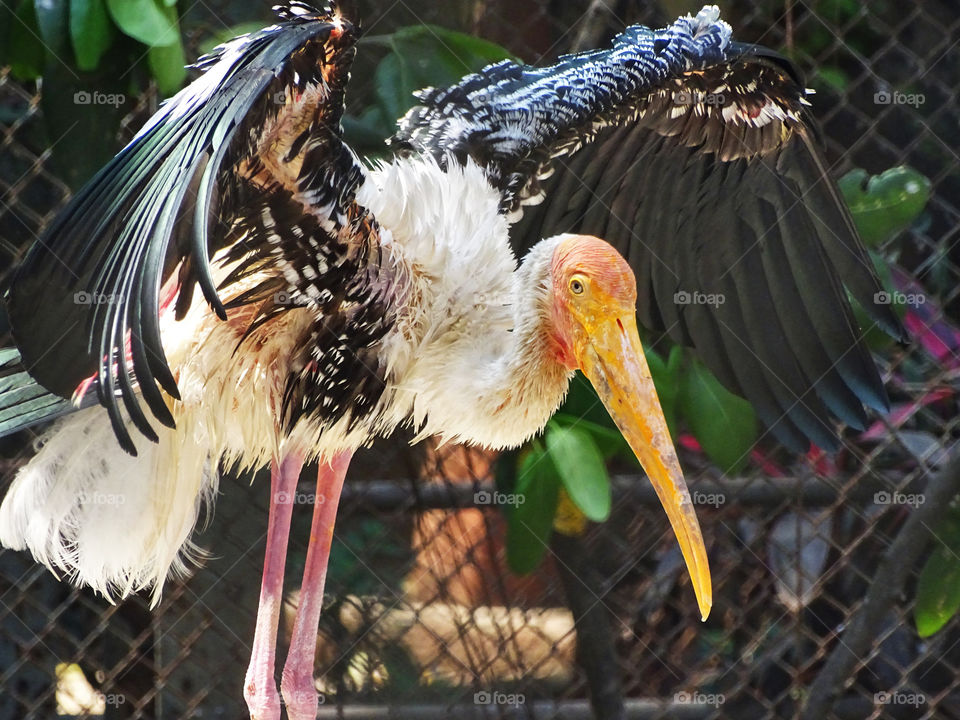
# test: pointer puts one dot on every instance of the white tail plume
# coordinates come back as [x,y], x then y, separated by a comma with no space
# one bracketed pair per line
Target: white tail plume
[117,523]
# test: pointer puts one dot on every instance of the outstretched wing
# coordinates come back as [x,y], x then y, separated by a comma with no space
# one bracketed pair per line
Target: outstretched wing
[258,132]
[696,158]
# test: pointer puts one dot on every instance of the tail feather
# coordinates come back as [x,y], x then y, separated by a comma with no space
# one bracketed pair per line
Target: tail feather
[118,523]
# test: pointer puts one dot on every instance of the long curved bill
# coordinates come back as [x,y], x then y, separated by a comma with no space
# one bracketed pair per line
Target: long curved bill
[612,359]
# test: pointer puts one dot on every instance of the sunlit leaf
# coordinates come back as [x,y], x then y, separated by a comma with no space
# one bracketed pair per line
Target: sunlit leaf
[938,589]
[144,20]
[579,464]
[723,423]
[609,441]
[885,204]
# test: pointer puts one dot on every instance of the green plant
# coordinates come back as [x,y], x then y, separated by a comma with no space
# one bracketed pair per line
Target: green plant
[938,589]
[417,57]
[95,57]
[80,32]
[884,205]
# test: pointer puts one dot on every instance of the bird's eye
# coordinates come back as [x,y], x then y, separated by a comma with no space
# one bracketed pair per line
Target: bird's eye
[576,286]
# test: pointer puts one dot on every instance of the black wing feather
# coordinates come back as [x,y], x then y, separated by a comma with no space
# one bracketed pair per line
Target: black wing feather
[91,284]
[694,156]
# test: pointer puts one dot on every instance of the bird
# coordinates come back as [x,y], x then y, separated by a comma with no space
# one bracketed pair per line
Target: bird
[238,289]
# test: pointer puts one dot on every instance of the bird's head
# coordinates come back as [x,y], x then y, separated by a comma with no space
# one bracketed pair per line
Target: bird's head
[593,328]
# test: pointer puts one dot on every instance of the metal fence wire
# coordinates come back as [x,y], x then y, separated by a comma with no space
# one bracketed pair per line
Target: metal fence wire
[422,617]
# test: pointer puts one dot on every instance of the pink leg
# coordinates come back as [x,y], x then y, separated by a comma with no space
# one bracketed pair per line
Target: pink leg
[260,686]
[297,684]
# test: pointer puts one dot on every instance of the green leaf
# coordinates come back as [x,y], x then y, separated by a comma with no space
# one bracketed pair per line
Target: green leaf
[144,20]
[938,589]
[432,55]
[167,64]
[90,31]
[393,95]
[582,402]
[609,441]
[833,77]
[530,523]
[876,338]
[723,423]
[579,463]
[884,204]
[24,51]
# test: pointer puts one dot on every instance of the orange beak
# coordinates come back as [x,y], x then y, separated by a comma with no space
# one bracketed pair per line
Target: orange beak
[609,352]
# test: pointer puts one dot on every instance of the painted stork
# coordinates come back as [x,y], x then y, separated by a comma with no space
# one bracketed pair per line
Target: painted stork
[339,301]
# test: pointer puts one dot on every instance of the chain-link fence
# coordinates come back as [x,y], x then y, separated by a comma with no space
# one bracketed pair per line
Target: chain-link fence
[423,619]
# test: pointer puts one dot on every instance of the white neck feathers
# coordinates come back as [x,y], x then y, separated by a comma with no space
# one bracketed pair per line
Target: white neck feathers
[469,359]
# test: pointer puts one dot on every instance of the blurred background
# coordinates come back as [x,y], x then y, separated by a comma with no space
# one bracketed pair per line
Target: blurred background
[836,580]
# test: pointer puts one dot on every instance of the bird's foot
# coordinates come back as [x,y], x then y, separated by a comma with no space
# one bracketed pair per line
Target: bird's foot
[300,696]
[263,700]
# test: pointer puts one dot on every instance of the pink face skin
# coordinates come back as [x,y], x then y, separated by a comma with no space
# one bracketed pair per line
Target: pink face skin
[591,281]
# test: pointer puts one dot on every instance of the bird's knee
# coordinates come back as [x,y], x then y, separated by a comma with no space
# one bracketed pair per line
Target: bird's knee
[299,695]
[263,700]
